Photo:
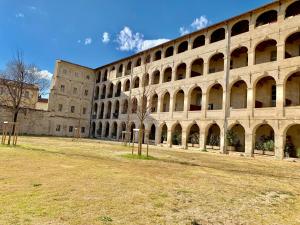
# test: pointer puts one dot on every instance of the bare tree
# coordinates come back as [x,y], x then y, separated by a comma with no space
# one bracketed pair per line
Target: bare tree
[16,79]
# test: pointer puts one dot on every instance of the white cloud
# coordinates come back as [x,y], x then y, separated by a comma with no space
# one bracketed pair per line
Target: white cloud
[88,41]
[197,24]
[45,74]
[130,41]
[20,15]
[105,38]
[78,41]
[33,8]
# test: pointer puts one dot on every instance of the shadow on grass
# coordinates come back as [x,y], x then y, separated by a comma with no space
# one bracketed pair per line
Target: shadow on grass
[141,157]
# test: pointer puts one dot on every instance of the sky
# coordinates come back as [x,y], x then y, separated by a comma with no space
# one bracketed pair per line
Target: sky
[96,32]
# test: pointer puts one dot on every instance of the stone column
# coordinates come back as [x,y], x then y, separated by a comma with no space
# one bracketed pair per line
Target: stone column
[171,106]
[204,103]
[280,100]
[188,71]
[279,146]
[250,101]
[249,144]
[202,139]
[169,138]
[157,136]
[186,105]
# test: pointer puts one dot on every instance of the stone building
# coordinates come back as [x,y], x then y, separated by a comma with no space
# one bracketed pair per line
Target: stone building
[242,75]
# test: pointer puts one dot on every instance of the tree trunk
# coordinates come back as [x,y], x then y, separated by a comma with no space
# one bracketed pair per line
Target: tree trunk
[15,119]
[141,131]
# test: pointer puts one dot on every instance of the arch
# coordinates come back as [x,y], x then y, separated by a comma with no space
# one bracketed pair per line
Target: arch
[146,80]
[181,71]
[216,63]
[131,127]
[94,129]
[98,77]
[266,51]
[97,91]
[157,55]
[99,131]
[215,97]
[264,139]
[108,112]
[169,51]
[265,92]
[197,67]
[110,90]
[217,35]
[114,130]
[148,59]
[118,90]
[240,28]
[95,109]
[128,68]
[199,41]
[292,10]
[165,107]
[105,76]
[120,70]
[182,47]
[239,58]
[292,141]
[164,134]
[195,99]
[266,18]
[117,109]
[101,111]
[213,136]
[167,75]
[156,77]
[136,82]
[154,102]
[194,135]
[106,133]
[138,62]
[236,138]
[152,133]
[238,95]
[126,85]
[134,105]
[292,90]
[125,107]
[121,129]
[292,45]
[177,134]
[179,101]
[103,91]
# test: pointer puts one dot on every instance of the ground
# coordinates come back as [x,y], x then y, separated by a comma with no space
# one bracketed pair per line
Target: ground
[61,181]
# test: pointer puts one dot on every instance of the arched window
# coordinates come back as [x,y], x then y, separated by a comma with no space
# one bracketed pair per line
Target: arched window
[265,92]
[292,90]
[238,95]
[136,82]
[182,47]
[167,75]
[165,107]
[292,45]
[127,85]
[217,35]
[215,97]
[196,99]
[266,51]
[216,63]
[240,27]
[179,101]
[293,9]
[128,68]
[138,62]
[157,55]
[169,52]
[120,71]
[199,41]
[181,71]
[239,58]
[155,77]
[154,102]
[266,18]
[197,68]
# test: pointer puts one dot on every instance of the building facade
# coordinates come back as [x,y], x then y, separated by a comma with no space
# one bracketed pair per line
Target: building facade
[240,75]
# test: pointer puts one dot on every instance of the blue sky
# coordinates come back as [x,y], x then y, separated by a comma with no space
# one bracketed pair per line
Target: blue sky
[73,29]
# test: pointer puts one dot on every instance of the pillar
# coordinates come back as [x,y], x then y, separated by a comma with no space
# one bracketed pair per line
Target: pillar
[279,146]
[169,138]
[249,144]
[280,100]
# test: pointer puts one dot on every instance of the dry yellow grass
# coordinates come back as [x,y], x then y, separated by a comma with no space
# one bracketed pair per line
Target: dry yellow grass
[60,181]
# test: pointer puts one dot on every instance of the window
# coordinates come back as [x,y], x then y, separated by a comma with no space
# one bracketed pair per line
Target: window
[26,94]
[86,92]
[72,109]
[62,88]
[84,110]
[57,128]
[75,91]
[60,107]
[87,77]
[70,129]
[82,129]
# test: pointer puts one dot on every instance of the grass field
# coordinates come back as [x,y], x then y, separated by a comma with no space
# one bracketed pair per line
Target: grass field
[60,181]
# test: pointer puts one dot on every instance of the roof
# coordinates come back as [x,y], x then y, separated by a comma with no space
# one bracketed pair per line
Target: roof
[27,85]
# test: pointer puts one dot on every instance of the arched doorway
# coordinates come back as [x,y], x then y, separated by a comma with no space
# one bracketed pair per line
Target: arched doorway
[196,99]
[264,140]
[236,138]
[165,102]
[177,135]
[292,143]
[179,101]
[194,135]
[164,134]
[215,97]
[213,137]
[152,134]
[292,90]
[238,95]
[265,92]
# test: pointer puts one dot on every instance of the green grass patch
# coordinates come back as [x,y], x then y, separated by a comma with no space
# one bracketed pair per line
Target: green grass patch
[141,157]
